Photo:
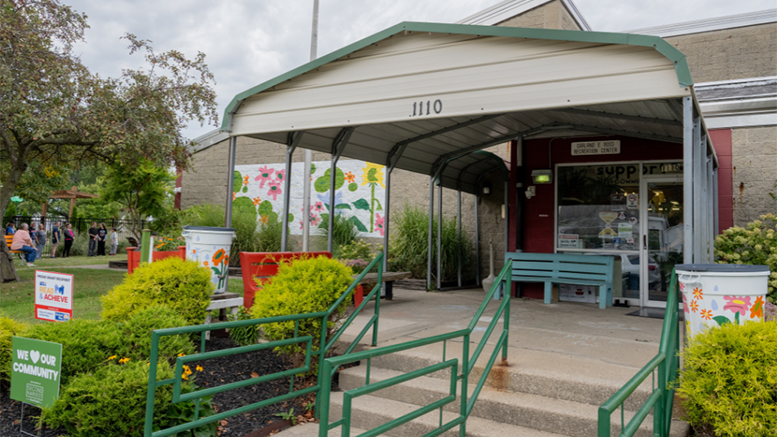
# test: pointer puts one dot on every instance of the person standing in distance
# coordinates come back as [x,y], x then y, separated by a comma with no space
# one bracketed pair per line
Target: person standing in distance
[92,239]
[55,237]
[114,241]
[102,236]
[69,237]
[40,240]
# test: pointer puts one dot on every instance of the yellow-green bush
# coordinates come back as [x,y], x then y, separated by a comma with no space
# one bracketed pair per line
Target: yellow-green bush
[88,345]
[754,244]
[8,329]
[111,402]
[304,286]
[729,385]
[183,286]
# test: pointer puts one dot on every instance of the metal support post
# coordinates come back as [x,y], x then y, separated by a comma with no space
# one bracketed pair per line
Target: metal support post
[338,145]
[458,218]
[386,210]
[710,213]
[715,205]
[698,181]
[230,181]
[431,222]
[439,236]
[687,180]
[507,224]
[291,144]
[477,238]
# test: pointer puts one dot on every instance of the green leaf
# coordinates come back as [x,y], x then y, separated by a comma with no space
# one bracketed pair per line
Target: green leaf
[324,220]
[237,181]
[312,168]
[358,224]
[245,189]
[379,208]
[291,217]
[343,206]
[362,204]
[353,186]
[265,208]
[322,184]
[721,320]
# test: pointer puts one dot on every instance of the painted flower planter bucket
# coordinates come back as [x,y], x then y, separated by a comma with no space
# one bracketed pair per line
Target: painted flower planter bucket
[716,294]
[210,248]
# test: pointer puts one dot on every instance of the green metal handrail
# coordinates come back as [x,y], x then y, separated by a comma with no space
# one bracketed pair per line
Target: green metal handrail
[661,399]
[467,364]
[324,348]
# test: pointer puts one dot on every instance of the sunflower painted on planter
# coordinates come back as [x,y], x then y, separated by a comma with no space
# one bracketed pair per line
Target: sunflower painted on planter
[220,266]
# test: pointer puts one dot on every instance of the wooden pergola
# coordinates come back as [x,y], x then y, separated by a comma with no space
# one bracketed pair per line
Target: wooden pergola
[71,194]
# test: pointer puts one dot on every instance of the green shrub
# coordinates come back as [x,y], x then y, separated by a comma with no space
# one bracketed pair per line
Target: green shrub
[181,285]
[754,244]
[268,235]
[358,255]
[729,385]
[244,335]
[304,286]
[344,231]
[137,334]
[86,344]
[408,251]
[112,400]
[8,329]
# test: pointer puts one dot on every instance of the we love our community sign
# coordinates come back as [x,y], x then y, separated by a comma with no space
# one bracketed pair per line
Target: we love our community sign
[35,371]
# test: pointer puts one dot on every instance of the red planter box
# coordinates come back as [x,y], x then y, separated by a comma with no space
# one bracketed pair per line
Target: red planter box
[133,256]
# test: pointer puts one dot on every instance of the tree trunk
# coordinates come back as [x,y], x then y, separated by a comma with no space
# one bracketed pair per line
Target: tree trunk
[7,269]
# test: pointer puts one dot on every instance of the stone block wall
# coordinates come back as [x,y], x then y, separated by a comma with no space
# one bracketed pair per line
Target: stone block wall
[727,54]
[754,172]
[552,15]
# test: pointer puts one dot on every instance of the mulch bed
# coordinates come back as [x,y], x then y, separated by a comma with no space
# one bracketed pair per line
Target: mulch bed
[217,371]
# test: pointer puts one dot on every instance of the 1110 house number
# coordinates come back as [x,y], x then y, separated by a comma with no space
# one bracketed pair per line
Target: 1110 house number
[429,106]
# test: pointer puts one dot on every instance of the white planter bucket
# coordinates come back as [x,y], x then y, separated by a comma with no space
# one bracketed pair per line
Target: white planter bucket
[210,248]
[716,294]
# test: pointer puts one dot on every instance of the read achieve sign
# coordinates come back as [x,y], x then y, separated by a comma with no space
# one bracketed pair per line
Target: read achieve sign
[35,371]
[53,296]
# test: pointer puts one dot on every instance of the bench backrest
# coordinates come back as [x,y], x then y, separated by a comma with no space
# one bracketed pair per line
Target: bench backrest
[9,241]
[560,267]
[259,267]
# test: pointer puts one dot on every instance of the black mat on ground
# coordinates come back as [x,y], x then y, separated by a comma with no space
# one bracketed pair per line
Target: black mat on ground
[653,313]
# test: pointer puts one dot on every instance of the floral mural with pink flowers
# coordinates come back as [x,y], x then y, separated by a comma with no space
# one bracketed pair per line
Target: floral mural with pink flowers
[359,200]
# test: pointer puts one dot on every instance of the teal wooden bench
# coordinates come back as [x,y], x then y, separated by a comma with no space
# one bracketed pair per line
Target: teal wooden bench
[555,268]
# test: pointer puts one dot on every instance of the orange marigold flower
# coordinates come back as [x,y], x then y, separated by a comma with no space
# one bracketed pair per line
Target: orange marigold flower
[205,263]
[219,256]
[697,293]
[757,310]
[706,314]
[349,177]
[257,201]
[245,180]
[694,305]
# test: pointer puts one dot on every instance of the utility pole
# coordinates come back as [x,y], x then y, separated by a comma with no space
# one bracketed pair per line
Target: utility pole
[308,153]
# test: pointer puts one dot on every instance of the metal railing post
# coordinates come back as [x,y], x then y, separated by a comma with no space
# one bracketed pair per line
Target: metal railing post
[464,385]
[377,304]
[321,360]
[152,363]
[322,403]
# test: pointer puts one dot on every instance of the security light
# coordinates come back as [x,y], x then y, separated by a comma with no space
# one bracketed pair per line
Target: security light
[542,176]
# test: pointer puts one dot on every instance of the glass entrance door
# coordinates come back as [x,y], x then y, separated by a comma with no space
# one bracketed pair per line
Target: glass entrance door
[661,234]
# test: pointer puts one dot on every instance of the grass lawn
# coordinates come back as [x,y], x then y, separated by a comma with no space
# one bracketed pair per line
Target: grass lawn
[18,302]
[45,263]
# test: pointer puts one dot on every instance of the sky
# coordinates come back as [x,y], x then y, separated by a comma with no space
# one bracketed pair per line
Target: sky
[250,41]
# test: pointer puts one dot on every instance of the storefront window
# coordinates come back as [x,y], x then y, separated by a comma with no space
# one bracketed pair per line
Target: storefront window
[598,207]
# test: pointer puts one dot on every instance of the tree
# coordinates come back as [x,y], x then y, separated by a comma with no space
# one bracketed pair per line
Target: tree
[140,189]
[55,113]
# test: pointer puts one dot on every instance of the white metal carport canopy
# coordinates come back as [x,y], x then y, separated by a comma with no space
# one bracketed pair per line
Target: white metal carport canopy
[417,95]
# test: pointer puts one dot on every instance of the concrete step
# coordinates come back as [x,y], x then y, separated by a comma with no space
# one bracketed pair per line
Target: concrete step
[311,430]
[518,409]
[547,374]
[370,412]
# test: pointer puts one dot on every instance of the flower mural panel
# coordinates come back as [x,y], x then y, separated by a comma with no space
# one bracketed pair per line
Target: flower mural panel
[359,193]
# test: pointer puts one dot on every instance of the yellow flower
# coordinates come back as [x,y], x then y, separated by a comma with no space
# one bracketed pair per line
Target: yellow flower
[199,368]
[182,354]
[373,173]
[184,377]
[124,360]
[112,357]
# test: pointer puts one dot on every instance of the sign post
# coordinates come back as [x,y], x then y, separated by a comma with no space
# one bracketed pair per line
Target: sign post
[53,296]
[35,371]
